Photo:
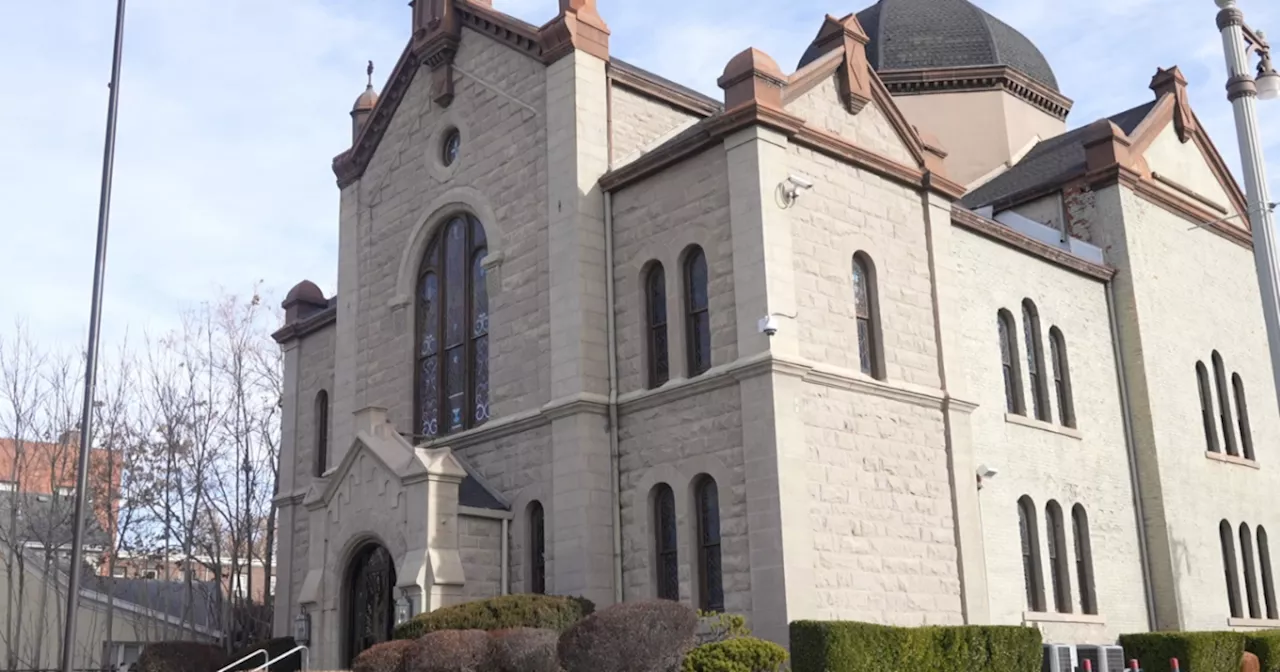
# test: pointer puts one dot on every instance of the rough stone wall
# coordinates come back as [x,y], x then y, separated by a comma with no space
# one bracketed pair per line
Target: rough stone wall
[673,437]
[316,361]
[480,540]
[658,220]
[638,121]
[1046,461]
[851,210]
[1192,292]
[499,108]
[870,128]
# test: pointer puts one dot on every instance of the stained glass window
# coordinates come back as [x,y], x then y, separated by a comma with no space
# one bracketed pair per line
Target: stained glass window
[1059,573]
[668,569]
[1009,364]
[1084,560]
[453,331]
[537,549]
[322,433]
[710,574]
[1031,577]
[1062,377]
[698,317]
[656,299]
[864,297]
[1035,358]
[452,145]
[1224,405]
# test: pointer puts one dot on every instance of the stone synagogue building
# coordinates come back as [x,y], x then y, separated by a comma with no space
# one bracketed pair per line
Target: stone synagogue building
[875,337]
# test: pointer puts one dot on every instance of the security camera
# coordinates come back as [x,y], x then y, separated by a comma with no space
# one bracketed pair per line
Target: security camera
[769,325]
[791,188]
[799,182]
[987,472]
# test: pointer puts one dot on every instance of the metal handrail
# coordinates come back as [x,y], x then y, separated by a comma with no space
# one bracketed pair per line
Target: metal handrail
[264,653]
[286,654]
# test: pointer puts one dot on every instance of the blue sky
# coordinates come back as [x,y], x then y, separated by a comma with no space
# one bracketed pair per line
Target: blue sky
[231,112]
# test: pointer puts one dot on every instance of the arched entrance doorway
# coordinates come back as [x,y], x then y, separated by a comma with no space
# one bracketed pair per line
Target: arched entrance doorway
[370,616]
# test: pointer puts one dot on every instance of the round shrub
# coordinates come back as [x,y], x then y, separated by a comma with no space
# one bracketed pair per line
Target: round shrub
[450,651]
[741,654]
[649,636]
[392,656]
[551,612]
[181,657]
[524,650]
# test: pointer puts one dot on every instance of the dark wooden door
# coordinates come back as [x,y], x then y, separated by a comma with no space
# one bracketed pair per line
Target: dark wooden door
[371,607]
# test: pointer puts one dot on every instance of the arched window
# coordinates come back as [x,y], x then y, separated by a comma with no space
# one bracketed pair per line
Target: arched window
[867,311]
[1206,409]
[452,387]
[1062,377]
[537,549]
[697,312]
[664,530]
[1035,360]
[1229,568]
[710,577]
[1224,405]
[1084,560]
[1013,401]
[1268,582]
[1250,572]
[1059,567]
[322,433]
[1242,416]
[655,290]
[1033,579]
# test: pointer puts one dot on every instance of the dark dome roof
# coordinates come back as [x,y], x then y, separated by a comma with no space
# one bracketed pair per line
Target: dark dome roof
[914,34]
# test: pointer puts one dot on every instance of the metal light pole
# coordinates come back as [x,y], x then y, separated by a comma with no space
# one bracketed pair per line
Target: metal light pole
[91,354]
[1244,90]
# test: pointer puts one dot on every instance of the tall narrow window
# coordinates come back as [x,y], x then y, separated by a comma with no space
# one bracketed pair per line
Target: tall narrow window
[697,315]
[1242,416]
[1062,377]
[867,311]
[1250,572]
[1033,579]
[1013,400]
[655,285]
[1224,405]
[1206,409]
[1059,568]
[1229,568]
[537,549]
[322,433]
[1035,360]
[1084,560]
[452,369]
[1268,581]
[710,577]
[664,526]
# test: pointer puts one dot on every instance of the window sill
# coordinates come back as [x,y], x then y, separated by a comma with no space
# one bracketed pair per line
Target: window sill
[1232,459]
[1253,623]
[1055,617]
[1015,419]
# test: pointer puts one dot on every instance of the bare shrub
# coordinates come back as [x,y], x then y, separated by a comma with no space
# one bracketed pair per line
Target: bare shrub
[525,650]
[649,636]
[392,656]
[450,651]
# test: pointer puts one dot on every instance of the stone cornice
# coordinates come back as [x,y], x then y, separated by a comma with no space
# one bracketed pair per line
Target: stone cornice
[996,231]
[984,78]
[661,91]
[302,328]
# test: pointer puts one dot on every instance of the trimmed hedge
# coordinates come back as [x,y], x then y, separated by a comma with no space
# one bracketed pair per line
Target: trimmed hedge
[1265,644]
[848,646]
[547,612]
[740,654]
[181,657]
[1195,651]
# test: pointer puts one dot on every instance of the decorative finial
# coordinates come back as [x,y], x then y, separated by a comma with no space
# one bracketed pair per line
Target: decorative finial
[369,71]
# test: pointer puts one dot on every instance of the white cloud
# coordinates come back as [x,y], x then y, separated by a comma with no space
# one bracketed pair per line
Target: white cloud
[232,111]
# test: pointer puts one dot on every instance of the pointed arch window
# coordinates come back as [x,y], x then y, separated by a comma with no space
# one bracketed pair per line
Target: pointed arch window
[1059,567]
[1268,581]
[1242,417]
[1224,406]
[1084,560]
[1062,377]
[1013,399]
[665,544]
[452,369]
[1206,409]
[1035,360]
[710,575]
[1230,569]
[697,311]
[1032,578]
[867,312]
[1250,572]
[322,433]
[655,290]
[537,549]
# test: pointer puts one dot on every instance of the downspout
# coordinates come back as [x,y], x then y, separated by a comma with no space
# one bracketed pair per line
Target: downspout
[615,476]
[1131,449]
[506,557]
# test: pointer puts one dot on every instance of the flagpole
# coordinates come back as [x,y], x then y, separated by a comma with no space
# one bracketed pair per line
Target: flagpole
[91,353]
